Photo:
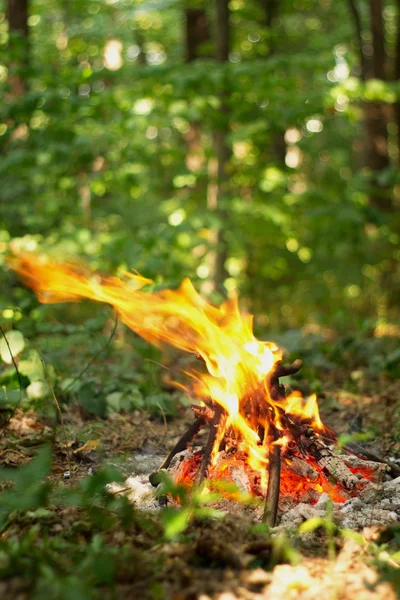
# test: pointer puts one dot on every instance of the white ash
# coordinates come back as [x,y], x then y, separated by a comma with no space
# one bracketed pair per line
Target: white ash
[377,503]
[139,492]
[238,478]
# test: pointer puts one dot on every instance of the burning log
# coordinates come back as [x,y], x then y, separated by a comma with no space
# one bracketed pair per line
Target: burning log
[332,464]
[274,481]
[211,442]
[181,445]
[301,467]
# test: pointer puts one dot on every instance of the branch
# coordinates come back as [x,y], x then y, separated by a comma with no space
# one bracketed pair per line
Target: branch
[19,382]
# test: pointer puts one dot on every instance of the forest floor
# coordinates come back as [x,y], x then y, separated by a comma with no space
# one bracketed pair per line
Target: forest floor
[69,539]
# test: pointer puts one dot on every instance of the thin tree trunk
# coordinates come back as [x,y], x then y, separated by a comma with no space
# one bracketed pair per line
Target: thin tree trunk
[378,38]
[218,201]
[270,11]
[197,35]
[141,59]
[364,63]
[17,17]
[197,32]
[278,144]
[375,155]
[397,78]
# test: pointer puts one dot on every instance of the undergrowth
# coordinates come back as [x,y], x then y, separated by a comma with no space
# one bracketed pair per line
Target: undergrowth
[65,536]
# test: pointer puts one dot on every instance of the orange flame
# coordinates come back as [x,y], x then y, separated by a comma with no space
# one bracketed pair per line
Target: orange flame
[238,364]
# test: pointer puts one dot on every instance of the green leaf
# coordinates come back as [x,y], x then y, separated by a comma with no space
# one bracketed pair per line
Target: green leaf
[311,524]
[30,490]
[37,390]
[114,401]
[71,385]
[175,521]
[16,343]
[32,367]
[91,400]
[9,398]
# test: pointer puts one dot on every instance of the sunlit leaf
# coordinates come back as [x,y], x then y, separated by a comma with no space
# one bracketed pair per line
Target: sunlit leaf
[16,343]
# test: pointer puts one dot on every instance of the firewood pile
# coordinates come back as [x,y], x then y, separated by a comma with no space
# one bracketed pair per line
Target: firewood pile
[304,457]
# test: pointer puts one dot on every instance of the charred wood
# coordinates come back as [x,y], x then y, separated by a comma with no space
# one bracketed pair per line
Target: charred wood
[353,448]
[301,467]
[181,445]
[331,463]
[273,489]
[212,439]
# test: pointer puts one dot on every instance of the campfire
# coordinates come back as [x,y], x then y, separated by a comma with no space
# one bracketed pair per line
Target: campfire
[264,440]
[295,454]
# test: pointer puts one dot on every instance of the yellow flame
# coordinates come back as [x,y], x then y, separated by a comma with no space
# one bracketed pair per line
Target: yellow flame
[238,364]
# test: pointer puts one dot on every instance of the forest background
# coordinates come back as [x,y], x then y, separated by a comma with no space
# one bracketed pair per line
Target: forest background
[252,146]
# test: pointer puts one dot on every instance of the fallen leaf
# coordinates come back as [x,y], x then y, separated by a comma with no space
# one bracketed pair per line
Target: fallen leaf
[25,423]
[13,458]
[90,446]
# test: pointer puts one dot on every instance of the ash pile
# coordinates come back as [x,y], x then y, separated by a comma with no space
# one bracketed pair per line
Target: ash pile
[370,502]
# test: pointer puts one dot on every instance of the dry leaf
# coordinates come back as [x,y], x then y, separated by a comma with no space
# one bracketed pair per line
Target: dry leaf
[90,446]
[25,423]
[13,458]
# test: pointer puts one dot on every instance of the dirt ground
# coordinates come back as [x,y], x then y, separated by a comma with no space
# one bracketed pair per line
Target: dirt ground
[215,559]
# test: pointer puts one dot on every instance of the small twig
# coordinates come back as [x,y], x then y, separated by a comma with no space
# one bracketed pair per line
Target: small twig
[165,421]
[96,356]
[121,491]
[155,362]
[19,383]
[59,414]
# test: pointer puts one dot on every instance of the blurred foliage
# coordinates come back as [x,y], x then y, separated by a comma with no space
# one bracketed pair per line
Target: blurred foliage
[97,162]
[108,156]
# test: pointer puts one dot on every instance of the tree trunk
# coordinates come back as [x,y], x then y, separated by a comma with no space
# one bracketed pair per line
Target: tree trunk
[217,202]
[278,144]
[365,67]
[378,38]
[197,32]
[375,155]
[197,35]
[270,11]
[397,78]
[17,17]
